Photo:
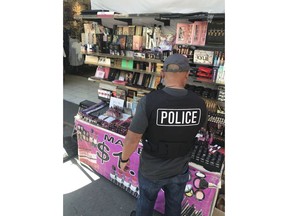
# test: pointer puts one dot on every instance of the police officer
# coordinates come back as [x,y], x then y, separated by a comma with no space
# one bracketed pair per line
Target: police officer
[167,121]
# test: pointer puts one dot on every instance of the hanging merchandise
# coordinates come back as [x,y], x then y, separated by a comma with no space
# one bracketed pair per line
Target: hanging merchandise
[75,54]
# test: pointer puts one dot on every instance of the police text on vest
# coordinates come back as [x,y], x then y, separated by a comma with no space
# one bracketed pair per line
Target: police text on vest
[178,117]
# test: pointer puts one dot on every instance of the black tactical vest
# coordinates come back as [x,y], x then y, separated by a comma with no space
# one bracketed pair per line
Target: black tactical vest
[173,122]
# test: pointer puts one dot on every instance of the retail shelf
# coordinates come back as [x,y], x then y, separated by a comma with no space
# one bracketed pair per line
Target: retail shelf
[204,80]
[121,57]
[125,69]
[94,79]
[220,103]
[211,47]
[145,90]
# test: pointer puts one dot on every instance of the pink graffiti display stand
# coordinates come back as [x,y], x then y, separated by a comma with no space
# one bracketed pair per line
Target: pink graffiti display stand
[100,149]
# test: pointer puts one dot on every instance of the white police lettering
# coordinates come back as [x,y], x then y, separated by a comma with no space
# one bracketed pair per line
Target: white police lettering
[178,117]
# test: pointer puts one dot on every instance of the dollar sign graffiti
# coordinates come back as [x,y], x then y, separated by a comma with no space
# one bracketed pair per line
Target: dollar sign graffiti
[103,155]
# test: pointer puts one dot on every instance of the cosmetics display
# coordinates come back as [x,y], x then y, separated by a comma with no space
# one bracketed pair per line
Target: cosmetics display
[109,118]
[221,95]
[200,188]
[215,33]
[219,58]
[185,50]
[192,33]
[104,94]
[86,104]
[134,55]
[203,57]
[100,149]
[125,181]
[216,118]
[203,92]
[211,160]
[204,72]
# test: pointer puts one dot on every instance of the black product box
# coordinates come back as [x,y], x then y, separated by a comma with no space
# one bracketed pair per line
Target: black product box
[216,33]
[86,103]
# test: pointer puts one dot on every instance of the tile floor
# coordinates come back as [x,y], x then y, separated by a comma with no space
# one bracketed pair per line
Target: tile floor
[78,88]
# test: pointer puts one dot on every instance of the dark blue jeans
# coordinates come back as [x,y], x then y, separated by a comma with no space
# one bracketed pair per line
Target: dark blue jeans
[174,191]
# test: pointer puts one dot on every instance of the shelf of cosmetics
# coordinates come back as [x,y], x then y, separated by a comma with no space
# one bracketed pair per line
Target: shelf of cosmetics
[213,106]
[211,74]
[214,99]
[137,37]
[206,65]
[124,37]
[208,154]
[144,56]
[126,64]
[110,118]
[196,55]
[213,94]
[216,127]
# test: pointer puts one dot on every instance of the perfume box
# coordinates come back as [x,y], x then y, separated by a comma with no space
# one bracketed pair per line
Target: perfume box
[115,39]
[129,42]
[127,64]
[122,41]
[89,59]
[199,31]
[125,30]
[203,57]
[119,30]
[131,30]
[183,32]
[137,42]
[102,72]
[138,30]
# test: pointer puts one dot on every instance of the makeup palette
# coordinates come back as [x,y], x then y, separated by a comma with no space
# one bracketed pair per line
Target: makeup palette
[199,195]
[196,183]
[197,186]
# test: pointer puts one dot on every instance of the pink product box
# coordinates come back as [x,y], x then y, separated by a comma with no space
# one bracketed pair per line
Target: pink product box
[199,32]
[183,33]
[194,33]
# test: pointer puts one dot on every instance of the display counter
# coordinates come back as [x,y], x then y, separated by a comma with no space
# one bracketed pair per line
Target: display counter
[100,149]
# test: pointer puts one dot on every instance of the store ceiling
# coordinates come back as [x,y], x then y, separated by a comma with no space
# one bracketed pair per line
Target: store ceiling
[159,6]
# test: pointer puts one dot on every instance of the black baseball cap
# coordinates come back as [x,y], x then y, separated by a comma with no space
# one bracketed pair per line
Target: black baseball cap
[176,60]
